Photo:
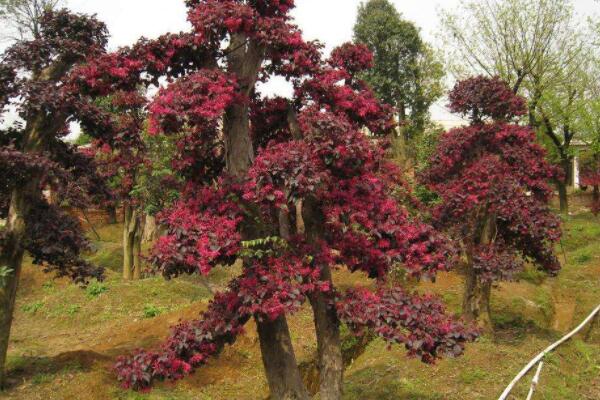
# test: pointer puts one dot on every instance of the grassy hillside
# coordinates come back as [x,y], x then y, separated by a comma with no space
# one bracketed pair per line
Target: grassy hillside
[65,338]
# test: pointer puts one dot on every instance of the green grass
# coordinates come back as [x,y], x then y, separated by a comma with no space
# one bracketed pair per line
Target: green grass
[471,376]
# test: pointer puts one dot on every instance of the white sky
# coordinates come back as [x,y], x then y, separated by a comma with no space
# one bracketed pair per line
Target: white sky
[329,21]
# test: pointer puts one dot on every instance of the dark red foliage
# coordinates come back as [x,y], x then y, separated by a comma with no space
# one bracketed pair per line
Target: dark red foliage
[352,58]
[480,97]
[190,345]
[355,100]
[34,81]
[495,170]
[202,233]
[590,178]
[417,321]
[269,121]
[55,241]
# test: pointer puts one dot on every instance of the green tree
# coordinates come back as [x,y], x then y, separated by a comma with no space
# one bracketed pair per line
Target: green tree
[407,73]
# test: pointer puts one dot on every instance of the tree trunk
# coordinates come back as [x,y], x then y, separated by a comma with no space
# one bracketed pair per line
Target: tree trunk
[562,185]
[127,243]
[137,245]
[151,229]
[476,299]
[279,360]
[132,239]
[563,197]
[12,249]
[111,212]
[329,347]
[244,60]
[11,259]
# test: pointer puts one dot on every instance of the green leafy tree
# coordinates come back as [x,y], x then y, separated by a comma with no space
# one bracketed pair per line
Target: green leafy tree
[21,18]
[407,73]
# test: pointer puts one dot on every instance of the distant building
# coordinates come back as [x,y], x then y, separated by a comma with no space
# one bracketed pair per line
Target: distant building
[575,179]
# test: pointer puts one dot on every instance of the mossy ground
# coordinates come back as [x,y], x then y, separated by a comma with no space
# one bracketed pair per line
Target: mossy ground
[65,338]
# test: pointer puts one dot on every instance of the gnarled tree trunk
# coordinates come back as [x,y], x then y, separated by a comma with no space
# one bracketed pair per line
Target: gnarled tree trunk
[283,375]
[13,247]
[11,260]
[476,300]
[330,363]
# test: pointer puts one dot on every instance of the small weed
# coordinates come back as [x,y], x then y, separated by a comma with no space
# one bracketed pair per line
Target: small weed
[151,311]
[32,308]
[95,289]
[48,286]
[73,309]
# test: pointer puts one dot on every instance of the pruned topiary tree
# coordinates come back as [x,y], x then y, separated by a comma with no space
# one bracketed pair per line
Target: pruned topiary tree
[294,187]
[492,178]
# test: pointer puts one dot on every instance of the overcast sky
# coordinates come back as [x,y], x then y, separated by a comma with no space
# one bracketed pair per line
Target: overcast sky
[329,21]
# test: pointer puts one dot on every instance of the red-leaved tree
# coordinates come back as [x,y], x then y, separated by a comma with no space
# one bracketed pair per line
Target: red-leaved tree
[293,187]
[590,177]
[34,82]
[492,178]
